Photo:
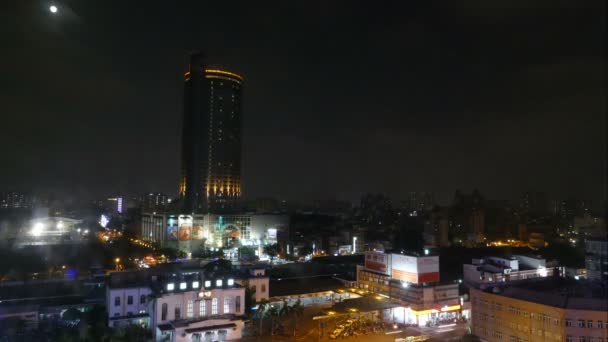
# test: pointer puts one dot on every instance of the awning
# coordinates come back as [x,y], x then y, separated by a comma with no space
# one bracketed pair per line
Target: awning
[211,327]
[164,327]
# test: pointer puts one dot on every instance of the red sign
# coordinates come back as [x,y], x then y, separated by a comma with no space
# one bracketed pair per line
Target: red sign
[377,262]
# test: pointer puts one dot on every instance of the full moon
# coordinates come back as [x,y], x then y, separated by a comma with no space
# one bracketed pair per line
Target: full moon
[53,9]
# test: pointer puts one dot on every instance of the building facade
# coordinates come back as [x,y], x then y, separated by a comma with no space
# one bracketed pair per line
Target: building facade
[211,139]
[413,281]
[596,259]
[177,304]
[542,314]
[498,270]
[191,232]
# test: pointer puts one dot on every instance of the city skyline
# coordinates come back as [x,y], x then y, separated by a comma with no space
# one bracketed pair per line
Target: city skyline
[436,112]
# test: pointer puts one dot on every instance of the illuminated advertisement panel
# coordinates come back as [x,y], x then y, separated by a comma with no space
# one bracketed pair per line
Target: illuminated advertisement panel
[197,232]
[405,268]
[428,269]
[378,262]
[171,229]
[415,269]
[185,227]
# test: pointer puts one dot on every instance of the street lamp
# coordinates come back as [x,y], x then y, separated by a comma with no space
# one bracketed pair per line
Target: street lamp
[53,9]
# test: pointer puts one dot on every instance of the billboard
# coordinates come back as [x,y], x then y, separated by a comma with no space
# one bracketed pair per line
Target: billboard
[404,268]
[197,232]
[414,269]
[185,227]
[172,228]
[378,262]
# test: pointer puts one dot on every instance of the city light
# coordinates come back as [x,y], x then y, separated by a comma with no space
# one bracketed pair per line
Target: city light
[37,229]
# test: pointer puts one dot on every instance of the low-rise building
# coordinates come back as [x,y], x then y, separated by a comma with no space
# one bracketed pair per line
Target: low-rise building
[552,309]
[492,270]
[414,281]
[596,259]
[257,281]
[177,304]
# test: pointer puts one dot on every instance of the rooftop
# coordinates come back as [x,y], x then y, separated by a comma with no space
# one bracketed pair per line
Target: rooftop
[296,286]
[365,304]
[560,292]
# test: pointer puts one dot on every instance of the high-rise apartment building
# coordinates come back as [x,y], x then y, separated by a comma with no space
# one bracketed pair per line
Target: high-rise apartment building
[211,138]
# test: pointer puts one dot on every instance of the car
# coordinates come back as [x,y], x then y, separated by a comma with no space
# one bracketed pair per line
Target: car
[420,338]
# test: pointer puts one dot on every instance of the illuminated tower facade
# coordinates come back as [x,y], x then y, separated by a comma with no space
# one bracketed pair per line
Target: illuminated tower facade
[211,139]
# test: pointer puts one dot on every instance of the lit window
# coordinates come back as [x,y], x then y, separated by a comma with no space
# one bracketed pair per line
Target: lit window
[207,283]
[190,309]
[182,286]
[230,282]
[195,284]
[218,282]
[214,306]
[202,309]
[226,305]
[170,287]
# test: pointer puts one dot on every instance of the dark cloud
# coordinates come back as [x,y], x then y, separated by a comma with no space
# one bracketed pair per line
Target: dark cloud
[341,97]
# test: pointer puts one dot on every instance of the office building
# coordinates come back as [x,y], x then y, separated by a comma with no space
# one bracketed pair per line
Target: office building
[211,139]
[14,200]
[548,310]
[154,201]
[596,259]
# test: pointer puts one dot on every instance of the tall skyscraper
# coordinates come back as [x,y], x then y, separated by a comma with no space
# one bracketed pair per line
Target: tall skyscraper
[211,138]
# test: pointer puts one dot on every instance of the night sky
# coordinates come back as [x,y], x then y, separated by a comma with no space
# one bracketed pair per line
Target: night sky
[340,98]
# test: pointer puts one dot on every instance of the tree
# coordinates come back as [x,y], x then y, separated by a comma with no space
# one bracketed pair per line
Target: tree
[283,312]
[296,310]
[272,251]
[249,299]
[262,308]
[272,312]
[71,314]
[131,333]
[247,253]
[305,250]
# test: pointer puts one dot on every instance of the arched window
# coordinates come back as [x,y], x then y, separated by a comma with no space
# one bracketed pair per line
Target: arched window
[165,309]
